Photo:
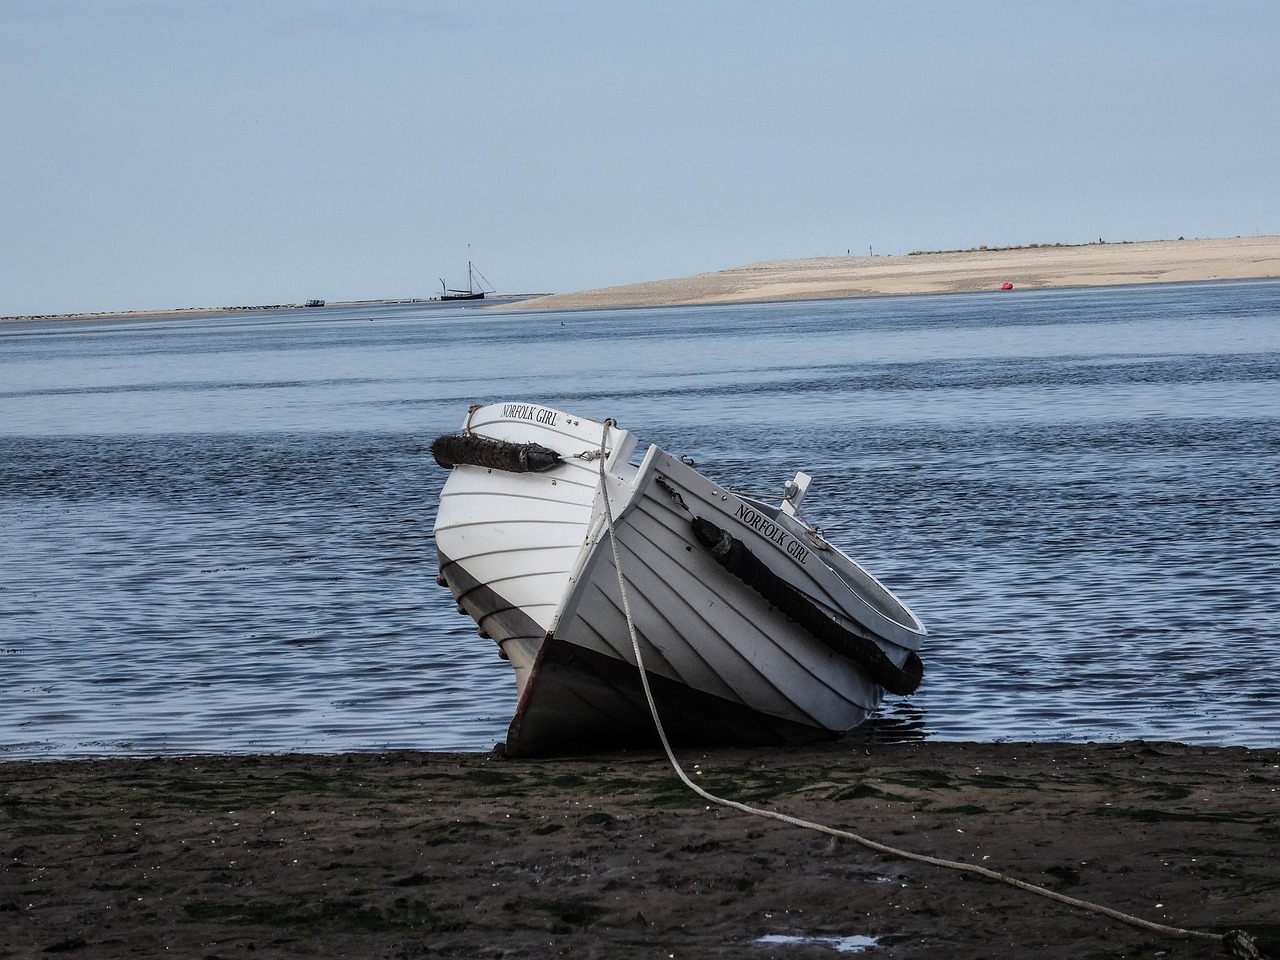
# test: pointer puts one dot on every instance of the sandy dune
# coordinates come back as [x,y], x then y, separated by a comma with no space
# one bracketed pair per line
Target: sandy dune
[816,278]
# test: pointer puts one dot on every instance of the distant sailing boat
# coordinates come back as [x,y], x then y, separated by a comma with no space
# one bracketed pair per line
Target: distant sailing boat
[471,293]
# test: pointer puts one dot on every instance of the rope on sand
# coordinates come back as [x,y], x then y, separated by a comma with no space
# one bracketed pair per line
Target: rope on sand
[1236,942]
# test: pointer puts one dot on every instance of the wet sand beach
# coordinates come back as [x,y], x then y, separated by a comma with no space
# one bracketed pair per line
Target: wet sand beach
[1026,268]
[468,855]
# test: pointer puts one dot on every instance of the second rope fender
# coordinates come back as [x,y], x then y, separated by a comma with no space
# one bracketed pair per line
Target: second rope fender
[736,557]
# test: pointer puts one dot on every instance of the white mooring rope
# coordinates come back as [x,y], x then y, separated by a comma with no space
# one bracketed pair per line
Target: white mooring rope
[1237,942]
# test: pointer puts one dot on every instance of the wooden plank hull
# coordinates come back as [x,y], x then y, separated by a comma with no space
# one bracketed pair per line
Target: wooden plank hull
[530,557]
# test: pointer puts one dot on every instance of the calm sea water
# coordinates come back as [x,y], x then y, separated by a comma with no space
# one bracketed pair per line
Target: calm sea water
[215,534]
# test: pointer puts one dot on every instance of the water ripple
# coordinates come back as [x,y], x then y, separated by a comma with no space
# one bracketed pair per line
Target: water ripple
[217,535]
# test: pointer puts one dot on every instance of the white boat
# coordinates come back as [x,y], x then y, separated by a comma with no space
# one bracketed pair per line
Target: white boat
[752,628]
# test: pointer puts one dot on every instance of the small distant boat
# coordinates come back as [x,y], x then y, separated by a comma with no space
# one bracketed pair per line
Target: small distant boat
[753,628]
[315,303]
[471,293]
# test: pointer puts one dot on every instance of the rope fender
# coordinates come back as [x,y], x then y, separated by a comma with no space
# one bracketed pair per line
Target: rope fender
[734,555]
[453,449]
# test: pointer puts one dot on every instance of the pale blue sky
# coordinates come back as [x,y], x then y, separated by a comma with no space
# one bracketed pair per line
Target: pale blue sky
[165,153]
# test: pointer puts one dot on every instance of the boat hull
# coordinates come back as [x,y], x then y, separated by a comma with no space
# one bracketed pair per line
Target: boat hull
[531,558]
[575,698]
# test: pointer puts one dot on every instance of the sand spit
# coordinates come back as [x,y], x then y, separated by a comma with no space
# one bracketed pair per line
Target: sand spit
[826,278]
[1026,268]
[464,855]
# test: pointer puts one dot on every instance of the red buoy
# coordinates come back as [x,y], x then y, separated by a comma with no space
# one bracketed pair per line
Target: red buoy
[1006,285]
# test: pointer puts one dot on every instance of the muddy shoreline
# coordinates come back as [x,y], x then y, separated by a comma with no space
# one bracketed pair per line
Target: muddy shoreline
[467,855]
